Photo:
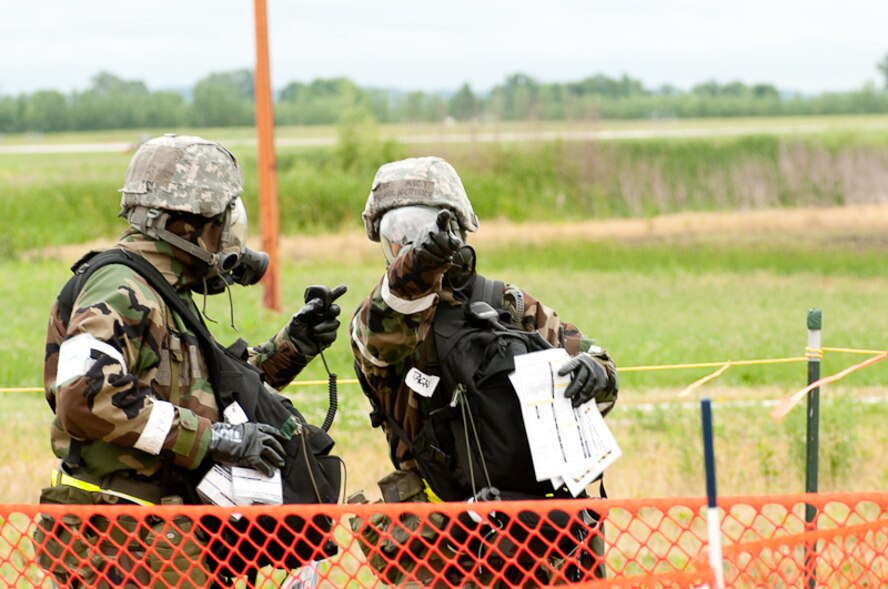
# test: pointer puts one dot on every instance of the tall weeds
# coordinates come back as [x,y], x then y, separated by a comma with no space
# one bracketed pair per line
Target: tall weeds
[52,200]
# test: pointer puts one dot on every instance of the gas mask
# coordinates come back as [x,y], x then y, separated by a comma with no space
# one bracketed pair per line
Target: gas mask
[234,263]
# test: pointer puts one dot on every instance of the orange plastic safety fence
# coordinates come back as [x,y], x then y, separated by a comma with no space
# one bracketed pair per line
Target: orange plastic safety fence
[583,543]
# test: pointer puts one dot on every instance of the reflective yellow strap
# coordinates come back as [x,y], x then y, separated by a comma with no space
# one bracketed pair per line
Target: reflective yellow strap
[60,478]
[433,498]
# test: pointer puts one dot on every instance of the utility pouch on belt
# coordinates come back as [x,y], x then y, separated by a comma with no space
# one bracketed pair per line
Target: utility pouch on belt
[402,486]
[401,551]
[174,553]
[76,550]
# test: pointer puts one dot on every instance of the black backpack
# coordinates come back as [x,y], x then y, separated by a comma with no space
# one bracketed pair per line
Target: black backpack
[473,433]
[311,474]
[473,443]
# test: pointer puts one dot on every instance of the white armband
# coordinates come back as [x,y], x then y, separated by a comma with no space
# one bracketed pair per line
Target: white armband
[75,357]
[155,431]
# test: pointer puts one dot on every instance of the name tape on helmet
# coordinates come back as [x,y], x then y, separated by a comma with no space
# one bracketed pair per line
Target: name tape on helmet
[399,189]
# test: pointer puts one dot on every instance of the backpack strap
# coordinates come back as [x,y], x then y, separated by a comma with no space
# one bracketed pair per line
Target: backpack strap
[143,268]
[82,268]
[489,291]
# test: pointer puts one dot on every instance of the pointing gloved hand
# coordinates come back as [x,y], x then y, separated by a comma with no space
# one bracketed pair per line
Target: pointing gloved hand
[254,445]
[313,328]
[588,378]
[436,243]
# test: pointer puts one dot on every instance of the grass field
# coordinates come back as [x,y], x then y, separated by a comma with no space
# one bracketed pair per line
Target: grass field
[651,301]
[714,285]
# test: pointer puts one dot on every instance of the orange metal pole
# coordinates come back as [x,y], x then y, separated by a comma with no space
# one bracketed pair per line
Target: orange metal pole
[267,164]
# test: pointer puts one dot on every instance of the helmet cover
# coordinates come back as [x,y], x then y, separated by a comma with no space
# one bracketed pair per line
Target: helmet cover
[182,173]
[429,181]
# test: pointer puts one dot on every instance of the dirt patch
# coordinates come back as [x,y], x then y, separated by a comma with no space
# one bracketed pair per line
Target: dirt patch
[825,224]
[833,224]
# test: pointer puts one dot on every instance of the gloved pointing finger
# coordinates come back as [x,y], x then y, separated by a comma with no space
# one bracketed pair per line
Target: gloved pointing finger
[588,377]
[338,291]
[435,244]
[254,445]
[325,294]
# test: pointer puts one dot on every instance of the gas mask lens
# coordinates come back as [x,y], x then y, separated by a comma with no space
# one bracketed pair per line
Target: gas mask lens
[237,264]
[234,229]
[399,227]
[250,265]
[234,238]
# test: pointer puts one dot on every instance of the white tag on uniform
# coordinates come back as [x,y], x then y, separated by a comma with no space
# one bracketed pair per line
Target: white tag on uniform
[234,414]
[420,383]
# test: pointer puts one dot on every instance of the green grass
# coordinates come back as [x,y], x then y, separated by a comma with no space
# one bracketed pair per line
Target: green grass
[647,303]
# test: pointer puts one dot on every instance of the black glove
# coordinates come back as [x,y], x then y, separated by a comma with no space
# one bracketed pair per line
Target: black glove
[435,244]
[588,378]
[255,445]
[313,328]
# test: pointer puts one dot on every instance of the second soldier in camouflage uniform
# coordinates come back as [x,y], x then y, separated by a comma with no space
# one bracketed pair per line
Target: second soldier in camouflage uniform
[419,210]
[128,382]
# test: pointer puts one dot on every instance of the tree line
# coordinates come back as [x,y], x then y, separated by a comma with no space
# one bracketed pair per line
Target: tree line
[227,99]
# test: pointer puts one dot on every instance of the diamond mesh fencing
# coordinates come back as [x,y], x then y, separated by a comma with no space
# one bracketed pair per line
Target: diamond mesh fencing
[583,543]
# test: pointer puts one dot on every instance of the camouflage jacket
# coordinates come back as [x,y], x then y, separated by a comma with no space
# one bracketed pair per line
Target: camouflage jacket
[390,334]
[127,379]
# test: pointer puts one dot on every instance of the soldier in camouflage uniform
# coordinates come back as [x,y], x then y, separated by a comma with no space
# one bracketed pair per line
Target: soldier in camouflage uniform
[134,408]
[420,212]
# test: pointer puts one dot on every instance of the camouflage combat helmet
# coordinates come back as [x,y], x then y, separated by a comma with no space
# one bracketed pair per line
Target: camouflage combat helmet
[182,173]
[427,181]
[185,174]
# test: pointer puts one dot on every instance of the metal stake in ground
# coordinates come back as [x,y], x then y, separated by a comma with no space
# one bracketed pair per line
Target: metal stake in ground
[713,521]
[812,441]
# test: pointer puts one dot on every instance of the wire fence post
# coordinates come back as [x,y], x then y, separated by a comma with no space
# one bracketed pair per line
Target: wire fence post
[812,442]
[713,521]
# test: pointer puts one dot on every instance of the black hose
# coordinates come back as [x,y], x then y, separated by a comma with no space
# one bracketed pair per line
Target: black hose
[332,389]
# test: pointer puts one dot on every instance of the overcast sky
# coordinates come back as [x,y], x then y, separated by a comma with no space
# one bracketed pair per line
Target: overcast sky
[809,46]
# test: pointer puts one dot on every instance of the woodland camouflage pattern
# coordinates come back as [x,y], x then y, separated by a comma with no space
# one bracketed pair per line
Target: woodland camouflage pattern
[387,344]
[108,409]
[429,181]
[182,173]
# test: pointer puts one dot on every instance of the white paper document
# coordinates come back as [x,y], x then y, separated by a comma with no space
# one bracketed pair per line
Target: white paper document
[234,485]
[569,446]
[252,487]
[216,488]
